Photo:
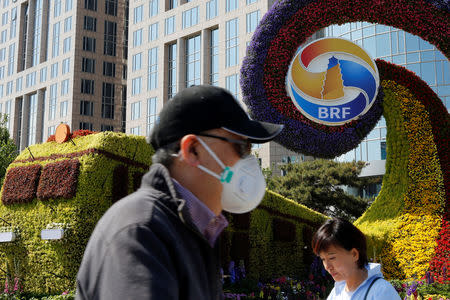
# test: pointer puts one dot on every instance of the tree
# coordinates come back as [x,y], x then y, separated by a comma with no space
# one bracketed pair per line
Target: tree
[318,184]
[8,151]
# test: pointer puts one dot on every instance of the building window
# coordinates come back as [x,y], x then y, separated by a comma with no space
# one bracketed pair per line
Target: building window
[173,4]
[88,65]
[9,88]
[5,18]
[32,119]
[2,54]
[151,114]
[152,82]
[214,56]
[106,127]
[232,43]
[87,86]
[232,84]
[135,110]
[55,41]
[68,23]
[137,38]
[172,61]
[12,30]
[193,61]
[67,44]
[252,21]
[63,109]
[12,50]
[52,101]
[190,17]
[231,5]
[86,126]
[169,25]
[109,69]
[65,87]
[138,14]
[54,70]
[90,23]
[2,72]
[68,5]
[88,44]
[90,4]
[136,85]
[111,7]
[153,32]
[18,85]
[136,130]
[251,1]
[3,36]
[110,38]
[211,9]
[86,108]
[43,76]
[108,100]
[137,61]
[153,8]
[66,65]
[30,79]
[51,130]
[57,8]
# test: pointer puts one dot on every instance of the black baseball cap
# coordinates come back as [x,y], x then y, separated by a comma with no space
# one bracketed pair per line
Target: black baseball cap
[203,107]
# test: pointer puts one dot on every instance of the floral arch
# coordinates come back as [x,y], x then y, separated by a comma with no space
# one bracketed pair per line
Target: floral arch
[408,225]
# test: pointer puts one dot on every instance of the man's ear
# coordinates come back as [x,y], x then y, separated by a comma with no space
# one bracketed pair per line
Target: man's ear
[188,150]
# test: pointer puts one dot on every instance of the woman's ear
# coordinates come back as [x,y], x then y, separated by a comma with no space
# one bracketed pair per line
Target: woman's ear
[188,149]
[355,254]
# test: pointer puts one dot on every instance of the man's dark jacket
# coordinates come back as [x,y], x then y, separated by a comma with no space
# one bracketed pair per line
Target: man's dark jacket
[146,247]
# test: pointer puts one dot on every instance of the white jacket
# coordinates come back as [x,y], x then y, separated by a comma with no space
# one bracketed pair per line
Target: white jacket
[380,290]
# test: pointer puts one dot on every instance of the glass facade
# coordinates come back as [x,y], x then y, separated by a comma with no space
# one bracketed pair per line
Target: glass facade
[402,48]
[211,9]
[151,114]
[193,61]
[32,118]
[252,21]
[214,71]
[172,62]
[232,43]
[152,79]
[232,84]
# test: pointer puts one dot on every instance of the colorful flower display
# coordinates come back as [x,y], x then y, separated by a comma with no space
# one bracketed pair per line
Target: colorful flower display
[285,27]
[408,225]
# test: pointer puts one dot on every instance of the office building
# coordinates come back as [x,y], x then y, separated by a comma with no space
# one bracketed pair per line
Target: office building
[401,48]
[62,61]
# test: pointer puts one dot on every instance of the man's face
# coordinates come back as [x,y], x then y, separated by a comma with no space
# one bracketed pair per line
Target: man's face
[228,152]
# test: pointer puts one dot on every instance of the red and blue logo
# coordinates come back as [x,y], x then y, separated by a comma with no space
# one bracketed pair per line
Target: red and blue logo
[332,81]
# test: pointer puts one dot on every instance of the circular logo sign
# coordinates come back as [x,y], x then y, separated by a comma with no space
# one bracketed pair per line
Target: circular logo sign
[332,81]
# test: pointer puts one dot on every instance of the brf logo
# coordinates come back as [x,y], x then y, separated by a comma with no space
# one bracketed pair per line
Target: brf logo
[332,81]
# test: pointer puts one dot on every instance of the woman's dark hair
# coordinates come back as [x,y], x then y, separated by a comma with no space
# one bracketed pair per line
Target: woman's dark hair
[340,232]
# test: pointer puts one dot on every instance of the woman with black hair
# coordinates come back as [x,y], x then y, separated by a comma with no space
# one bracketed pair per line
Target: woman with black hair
[343,251]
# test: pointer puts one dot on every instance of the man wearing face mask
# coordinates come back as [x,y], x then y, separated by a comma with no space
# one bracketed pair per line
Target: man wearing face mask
[161,241]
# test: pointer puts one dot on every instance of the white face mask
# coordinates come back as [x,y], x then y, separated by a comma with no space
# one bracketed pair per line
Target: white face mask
[244,185]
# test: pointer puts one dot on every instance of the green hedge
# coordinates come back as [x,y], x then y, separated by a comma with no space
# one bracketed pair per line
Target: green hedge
[50,266]
[277,235]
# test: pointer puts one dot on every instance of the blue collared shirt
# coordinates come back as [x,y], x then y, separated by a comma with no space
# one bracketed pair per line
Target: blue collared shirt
[203,218]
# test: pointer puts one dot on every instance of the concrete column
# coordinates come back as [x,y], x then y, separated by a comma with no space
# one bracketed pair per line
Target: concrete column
[40,116]
[30,34]
[25,120]
[45,28]
[205,60]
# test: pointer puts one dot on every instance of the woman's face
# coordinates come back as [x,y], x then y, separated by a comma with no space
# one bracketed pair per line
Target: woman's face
[340,263]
